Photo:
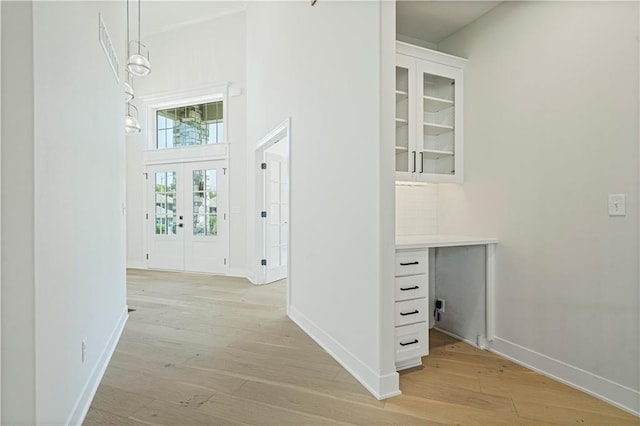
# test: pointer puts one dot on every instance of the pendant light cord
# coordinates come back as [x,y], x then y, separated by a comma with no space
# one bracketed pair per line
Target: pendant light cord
[139,39]
[128,50]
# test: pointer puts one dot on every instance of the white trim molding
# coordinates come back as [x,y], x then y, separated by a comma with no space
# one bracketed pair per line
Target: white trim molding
[621,396]
[83,403]
[381,387]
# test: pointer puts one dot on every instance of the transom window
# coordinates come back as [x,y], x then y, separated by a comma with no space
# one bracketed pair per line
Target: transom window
[190,125]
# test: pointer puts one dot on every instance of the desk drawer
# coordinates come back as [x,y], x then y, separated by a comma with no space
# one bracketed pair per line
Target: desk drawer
[411,262]
[412,341]
[411,287]
[411,311]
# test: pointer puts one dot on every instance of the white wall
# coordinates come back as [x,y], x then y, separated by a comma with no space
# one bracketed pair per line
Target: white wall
[18,311]
[324,67]
[551,128]
[63,225]
[197,56]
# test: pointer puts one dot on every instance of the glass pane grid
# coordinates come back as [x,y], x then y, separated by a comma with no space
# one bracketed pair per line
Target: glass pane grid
[205,211]
[165,203]
[190,125]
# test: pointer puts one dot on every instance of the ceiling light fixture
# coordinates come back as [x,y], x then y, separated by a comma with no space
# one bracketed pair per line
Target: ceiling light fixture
[128,89]
[138,63]
[131,123]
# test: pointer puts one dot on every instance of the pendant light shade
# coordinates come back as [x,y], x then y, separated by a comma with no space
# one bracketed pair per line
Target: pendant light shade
[138,63]
[131,123]
[128,92]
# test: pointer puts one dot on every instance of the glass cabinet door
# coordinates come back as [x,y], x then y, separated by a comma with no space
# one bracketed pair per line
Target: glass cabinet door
[440,111]
[405,126]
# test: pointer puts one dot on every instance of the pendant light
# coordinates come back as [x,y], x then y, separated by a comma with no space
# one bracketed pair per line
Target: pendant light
[131,123]
[128,89]
[138,63]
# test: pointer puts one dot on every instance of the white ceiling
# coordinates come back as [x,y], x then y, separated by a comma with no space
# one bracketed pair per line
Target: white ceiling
[160,16]
[426,20]
[433,21]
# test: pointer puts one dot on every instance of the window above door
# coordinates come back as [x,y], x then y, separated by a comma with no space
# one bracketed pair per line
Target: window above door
[190,125]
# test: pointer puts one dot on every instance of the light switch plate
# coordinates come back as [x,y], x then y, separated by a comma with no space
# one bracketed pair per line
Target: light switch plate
[617,205]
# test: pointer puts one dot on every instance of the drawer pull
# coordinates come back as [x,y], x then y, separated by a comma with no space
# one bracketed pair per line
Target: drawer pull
[413,342]
[415,287]
[404,314]
[409,263]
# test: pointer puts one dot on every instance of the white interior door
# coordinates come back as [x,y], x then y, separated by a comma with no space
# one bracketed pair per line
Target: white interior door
[188,217]
[277,220]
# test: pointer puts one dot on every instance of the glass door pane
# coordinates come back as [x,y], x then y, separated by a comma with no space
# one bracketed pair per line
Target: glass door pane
[438,134]
[402,119]
[204,208]
[165,203]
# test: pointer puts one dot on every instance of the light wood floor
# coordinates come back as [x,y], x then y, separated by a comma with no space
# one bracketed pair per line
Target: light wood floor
[219,351]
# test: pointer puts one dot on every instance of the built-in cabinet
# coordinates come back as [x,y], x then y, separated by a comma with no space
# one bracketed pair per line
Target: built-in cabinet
[429,115]
[411,307]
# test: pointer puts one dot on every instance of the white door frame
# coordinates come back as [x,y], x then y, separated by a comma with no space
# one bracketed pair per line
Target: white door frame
[281,131]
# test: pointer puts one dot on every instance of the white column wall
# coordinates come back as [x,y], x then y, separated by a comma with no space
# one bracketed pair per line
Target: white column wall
[324,67]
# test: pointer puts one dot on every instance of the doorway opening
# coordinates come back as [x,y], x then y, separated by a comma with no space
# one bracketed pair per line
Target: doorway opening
[272,190]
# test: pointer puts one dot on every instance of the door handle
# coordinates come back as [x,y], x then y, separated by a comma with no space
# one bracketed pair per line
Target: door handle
[181,225]
[414,161]
[409,263]
[413,342]
[421,162]
[404,314]
[180,217]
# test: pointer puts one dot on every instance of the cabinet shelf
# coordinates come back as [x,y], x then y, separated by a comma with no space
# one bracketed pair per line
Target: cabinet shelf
[434,154]
[433,104]
[401,95]
[433,129]
[401,122]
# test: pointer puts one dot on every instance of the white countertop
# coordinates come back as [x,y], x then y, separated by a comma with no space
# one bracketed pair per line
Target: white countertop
[426,241]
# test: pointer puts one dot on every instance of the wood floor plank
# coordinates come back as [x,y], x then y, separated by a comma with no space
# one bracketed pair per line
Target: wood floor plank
[203,350]
[179,392]
[168,414]
[97,417]
[254,413]
[321,405]
[571,416]
[115,400]
[457,395]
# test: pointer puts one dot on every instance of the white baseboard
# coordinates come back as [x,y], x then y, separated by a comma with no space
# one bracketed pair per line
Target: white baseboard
[381,387]
[133,264]
[241,273]
[621,396]
[83,403]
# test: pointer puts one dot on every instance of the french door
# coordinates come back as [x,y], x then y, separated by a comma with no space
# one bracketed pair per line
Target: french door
[187,217]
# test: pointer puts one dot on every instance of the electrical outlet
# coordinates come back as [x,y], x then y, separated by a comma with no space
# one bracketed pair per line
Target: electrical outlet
[440,305]
[84,349]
